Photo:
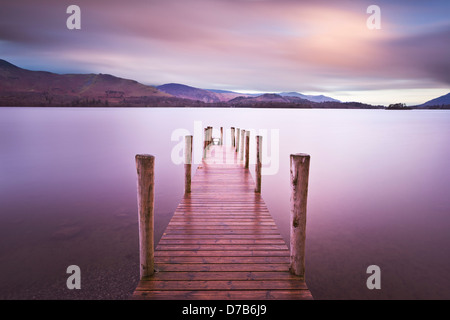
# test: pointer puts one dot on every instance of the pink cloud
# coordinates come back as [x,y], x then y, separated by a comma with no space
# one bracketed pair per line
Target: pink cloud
[261,45]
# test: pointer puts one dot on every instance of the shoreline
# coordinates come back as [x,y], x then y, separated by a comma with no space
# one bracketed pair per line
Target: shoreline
[228,107]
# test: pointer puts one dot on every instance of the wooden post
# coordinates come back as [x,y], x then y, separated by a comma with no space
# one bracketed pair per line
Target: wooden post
[247,148]
[210,129]
[205,143]
[145,166]
[258,163]
[242,144]
[238,133]
[221,136]
[299,194]
[187,163]
[232,137]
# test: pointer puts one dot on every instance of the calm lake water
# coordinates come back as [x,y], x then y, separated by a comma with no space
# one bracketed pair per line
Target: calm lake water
[379,194]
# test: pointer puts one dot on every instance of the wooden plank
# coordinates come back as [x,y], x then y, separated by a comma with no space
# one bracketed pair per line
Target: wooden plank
[220,275]
[222,253]
[171,259]
[222,232]
[225,295]
[220,247]
[223,226]
[192,221]
[189,241]
[218,222]
[223,236]
[222,285]
[222,267]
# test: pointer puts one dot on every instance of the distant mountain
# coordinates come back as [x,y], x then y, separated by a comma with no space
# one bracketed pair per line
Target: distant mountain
[215,95]
[39,88]
[224,95]
[319,98]
[187,92]
[267,98]
[437,102]
[21,87]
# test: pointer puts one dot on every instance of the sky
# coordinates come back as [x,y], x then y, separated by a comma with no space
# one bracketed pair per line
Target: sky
[312,47]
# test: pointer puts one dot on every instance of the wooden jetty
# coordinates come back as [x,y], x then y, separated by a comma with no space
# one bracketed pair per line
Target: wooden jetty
[221,242]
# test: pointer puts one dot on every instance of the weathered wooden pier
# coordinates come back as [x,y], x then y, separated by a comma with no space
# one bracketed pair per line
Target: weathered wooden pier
[222,242]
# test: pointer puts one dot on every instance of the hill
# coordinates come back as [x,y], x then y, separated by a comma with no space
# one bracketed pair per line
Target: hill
[187,92]
[224,95]
[40,88]
[318,98]
[439,102]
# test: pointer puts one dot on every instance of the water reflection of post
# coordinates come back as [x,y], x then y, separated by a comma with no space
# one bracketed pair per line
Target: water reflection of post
[145,166]
[299,194]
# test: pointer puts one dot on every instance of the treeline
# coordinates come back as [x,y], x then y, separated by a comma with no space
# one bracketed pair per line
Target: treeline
[295,105]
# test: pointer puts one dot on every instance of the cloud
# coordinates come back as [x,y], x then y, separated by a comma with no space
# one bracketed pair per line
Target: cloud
[423,55]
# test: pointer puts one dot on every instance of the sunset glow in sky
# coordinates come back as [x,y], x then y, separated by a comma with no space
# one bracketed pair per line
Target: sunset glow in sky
[312,47]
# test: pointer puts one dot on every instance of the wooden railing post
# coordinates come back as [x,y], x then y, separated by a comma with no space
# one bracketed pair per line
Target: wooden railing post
[247,148]
[187,163]
[145,166]
[242,144]
[210,130]
[221,136]
[258,163]
[299,194]
[205,139]
[233,143]
[238,133]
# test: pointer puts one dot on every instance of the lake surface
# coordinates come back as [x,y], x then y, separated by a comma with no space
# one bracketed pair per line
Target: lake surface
[378,195]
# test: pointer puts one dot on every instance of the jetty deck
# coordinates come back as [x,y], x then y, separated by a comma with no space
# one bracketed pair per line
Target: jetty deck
[222,242]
